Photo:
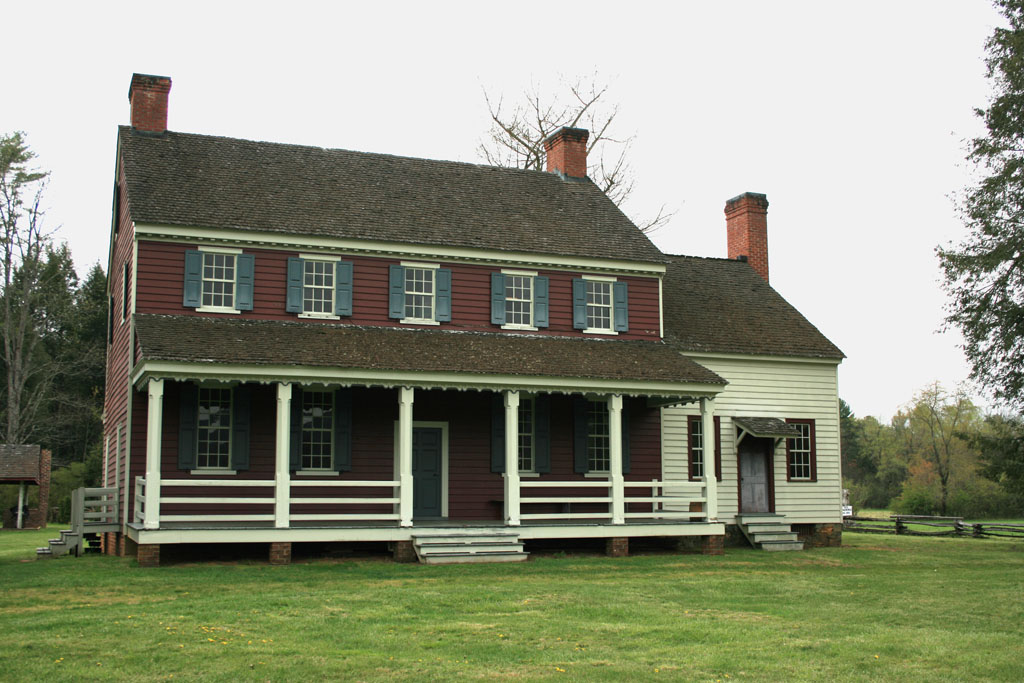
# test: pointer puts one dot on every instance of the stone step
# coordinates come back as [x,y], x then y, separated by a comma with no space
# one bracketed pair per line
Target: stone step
[472,558]
[761,518]
[776,546]
[767,528]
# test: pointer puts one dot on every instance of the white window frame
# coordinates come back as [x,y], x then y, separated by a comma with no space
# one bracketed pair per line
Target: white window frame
[330,432]
[433,268]
[806,455]
[610,330]
[532,275]
[214,469]
[204,250]
[598,407]
[320,258]
[527,400]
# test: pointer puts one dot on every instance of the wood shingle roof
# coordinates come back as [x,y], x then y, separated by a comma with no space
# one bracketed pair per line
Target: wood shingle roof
[724,306]
[217,182]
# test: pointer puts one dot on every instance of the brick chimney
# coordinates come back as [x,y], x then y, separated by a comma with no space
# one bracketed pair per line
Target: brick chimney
[746,220]
[148,97]
[567,152]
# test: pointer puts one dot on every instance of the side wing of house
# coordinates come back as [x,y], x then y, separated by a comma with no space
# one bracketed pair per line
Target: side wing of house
[804,480]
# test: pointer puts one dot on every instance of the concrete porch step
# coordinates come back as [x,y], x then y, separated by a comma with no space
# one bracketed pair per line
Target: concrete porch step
[774,537]
[769,532]
[775,546]
[462,558]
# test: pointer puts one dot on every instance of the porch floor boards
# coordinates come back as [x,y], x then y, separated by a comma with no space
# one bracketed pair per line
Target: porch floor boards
[419,524]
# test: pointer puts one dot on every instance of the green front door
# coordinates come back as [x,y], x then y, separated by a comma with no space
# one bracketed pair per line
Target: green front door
[427,478]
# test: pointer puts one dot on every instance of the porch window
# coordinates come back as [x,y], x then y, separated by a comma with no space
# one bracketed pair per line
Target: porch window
[801,459]
[213,429]
[317,430]
[526,463]
[598,441]
[695,447]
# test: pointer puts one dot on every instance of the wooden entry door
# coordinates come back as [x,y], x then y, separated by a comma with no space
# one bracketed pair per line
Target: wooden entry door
[755,474]
[427,462]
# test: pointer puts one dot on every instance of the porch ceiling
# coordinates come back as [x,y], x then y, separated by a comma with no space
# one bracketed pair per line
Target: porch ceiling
[197,347]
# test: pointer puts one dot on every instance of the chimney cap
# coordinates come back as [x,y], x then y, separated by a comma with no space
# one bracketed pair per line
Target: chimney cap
[580,134]
[755,198]
[149,82]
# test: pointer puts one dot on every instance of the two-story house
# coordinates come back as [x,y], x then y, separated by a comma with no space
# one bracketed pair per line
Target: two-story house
[317,345]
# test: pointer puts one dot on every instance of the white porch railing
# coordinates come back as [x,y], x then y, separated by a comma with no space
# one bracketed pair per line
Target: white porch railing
[668,500]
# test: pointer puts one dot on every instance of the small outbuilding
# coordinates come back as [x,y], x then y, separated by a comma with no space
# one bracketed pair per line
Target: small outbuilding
[24,465]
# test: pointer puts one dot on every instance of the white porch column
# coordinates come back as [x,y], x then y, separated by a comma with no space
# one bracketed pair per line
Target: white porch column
[282,457]
[707,415]
[21,505]
[154,429]
[512,458]
[405,397]
[615,455]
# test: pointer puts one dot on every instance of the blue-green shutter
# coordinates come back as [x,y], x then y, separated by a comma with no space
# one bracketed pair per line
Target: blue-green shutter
[240,420]
[497,432]
[542,433]
[245,265]
[497,299]
[581,463]
[295,431]
[540,301]
[625,435]
[579,304]
[343,288]
[396,292]
[193,297]
[443,300]
[620,301]
[293,303]
[188,414]
[343,430]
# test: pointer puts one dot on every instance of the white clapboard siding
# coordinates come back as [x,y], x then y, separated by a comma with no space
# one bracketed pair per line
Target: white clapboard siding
[765,387]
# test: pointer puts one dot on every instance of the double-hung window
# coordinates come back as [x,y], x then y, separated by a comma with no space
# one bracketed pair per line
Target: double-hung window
[218,280]
[526,435]
[213,428]
[317,430]
[321,431]
[319,287]
[420,293]
[801,460]
[598,440]
[695,447]
[600,305]
[519,300]
[592,443]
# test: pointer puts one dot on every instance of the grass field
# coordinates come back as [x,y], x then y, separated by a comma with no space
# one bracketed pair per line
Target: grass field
[880,608]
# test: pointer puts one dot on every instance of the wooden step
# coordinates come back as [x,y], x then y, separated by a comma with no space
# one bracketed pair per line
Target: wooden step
[463,546]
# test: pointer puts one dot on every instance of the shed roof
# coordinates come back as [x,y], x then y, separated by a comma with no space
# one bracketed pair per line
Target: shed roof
[199,339]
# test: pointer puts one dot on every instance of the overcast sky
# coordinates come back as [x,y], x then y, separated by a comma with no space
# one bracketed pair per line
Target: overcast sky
[851,117]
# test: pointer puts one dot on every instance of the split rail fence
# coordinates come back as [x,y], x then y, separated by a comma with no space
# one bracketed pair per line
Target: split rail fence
[911,525]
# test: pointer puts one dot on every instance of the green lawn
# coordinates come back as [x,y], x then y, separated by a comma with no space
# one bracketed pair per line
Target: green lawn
[881,607]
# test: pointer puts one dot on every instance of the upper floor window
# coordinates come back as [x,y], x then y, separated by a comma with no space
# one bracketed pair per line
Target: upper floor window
[600,305]
[519,300]
[319,287]
[420,293]
[125,273]
[218,280]
[801,458]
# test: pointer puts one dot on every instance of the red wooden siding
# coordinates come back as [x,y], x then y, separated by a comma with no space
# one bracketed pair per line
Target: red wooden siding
[475,493]
[117,391]
[161,280]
